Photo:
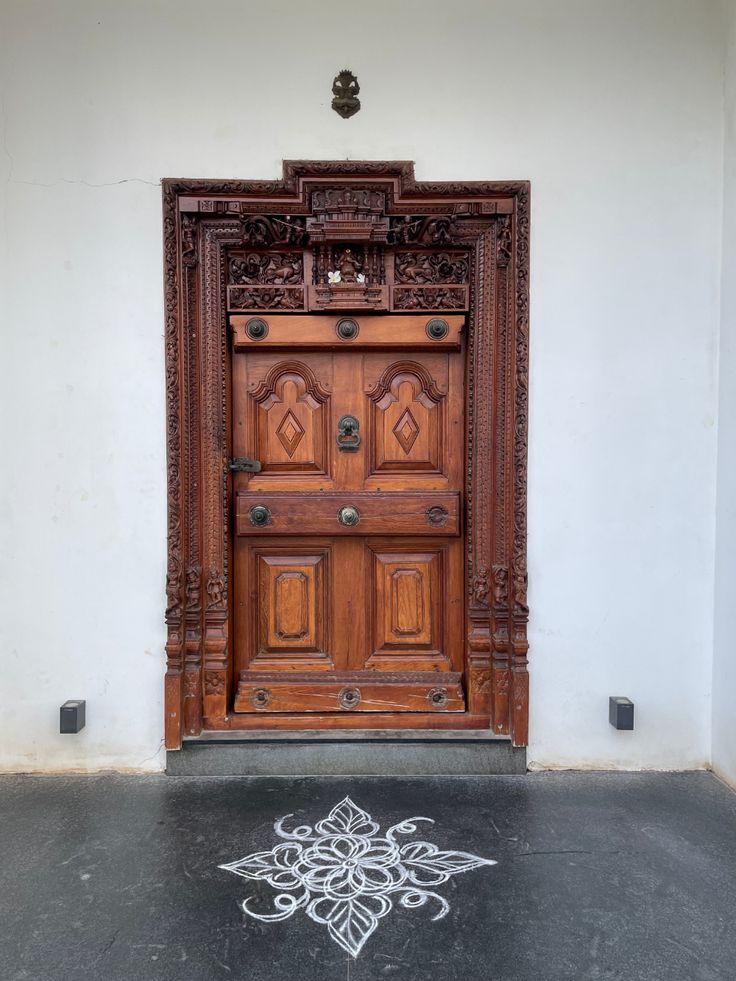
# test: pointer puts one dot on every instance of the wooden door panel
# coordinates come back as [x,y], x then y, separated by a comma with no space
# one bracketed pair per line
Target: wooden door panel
[293,604]
[346,693]
[284,606]
[377,602]
[406,421]
[403,513]
[286,421]
[407,590]
[320,331]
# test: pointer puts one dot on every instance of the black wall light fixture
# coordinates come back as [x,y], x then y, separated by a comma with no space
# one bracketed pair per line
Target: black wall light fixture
[72,715]
[621,712]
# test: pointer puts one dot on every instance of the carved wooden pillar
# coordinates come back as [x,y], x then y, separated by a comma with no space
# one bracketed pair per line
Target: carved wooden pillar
[520,609]
[175,563]
[480,489]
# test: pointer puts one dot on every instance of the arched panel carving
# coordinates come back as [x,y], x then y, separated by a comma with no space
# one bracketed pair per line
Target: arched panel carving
[291,420]
[408,420]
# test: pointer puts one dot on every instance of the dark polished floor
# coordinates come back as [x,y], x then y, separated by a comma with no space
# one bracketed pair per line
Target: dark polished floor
[598,876]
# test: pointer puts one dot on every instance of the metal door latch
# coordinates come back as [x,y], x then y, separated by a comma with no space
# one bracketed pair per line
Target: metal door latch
[241,464]
[348,434]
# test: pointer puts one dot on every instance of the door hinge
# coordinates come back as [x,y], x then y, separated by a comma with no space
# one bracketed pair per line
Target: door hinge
[241,464]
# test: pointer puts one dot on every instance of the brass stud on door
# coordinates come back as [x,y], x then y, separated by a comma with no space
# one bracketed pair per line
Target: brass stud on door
[437,329]
[437,698]
[347,329]
[256,329]
[348,516]
[349,698]
[260,698]
[260,515]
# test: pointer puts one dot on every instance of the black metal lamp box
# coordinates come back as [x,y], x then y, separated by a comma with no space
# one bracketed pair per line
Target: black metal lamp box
[72,715]
[620,712]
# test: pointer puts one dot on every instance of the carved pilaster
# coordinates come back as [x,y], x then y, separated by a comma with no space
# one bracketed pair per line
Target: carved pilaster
[214,474]
[480,464]
[520,615]
[503,413]
[175,564]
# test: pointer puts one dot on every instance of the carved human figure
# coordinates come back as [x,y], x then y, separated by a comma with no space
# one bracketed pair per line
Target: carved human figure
[349,266]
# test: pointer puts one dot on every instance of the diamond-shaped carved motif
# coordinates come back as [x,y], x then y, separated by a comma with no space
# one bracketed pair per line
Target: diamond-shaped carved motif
[406,431]
[290,433]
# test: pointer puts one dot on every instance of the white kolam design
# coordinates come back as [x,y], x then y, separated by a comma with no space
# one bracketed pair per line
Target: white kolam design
[345,874]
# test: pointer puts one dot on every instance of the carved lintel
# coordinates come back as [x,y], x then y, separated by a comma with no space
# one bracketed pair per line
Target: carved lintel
[266,269]
[422,268]
[264,231]
[246,299]
[430,298]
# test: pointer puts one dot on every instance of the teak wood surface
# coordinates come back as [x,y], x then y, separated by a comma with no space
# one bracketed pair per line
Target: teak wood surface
[346,375]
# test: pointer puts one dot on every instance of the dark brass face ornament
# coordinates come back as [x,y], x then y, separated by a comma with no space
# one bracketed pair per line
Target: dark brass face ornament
[347,330]
[348,434]
[260,515]
[437,329]
[348,516]
[256,329]
[345,90]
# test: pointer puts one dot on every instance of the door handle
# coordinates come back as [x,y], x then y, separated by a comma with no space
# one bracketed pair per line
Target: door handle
[348,434]
[241,464]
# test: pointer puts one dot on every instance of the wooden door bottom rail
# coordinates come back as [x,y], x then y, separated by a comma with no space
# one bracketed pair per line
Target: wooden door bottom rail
[342,692]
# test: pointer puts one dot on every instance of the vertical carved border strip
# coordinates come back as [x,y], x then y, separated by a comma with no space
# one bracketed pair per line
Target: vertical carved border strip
[175,531]
[192,707]
[502,418]
[214,449]
[480,466]
[520,609]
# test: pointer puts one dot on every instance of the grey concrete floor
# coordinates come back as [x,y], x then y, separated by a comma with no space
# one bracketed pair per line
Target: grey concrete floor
[598,876]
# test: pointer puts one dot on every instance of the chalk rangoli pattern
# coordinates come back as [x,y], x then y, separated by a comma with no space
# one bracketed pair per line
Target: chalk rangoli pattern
[343,873]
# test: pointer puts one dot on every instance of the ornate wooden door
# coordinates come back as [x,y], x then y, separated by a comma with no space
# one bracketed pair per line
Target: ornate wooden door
[346,377]
[348,583]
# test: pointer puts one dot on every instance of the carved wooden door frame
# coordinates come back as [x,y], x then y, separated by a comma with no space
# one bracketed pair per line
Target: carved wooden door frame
[202,219]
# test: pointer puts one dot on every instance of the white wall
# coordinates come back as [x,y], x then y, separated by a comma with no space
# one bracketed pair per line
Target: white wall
[612,109]
[724,660]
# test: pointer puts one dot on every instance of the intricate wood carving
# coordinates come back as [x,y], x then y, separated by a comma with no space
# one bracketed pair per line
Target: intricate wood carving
[430,298]
[266,268]
[254,298]
[316,209]
[431,267]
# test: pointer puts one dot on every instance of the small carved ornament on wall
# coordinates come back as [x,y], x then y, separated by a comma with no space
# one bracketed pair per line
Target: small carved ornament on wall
[345,90]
